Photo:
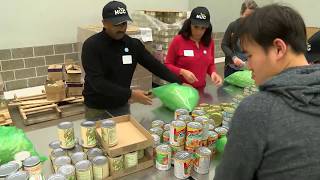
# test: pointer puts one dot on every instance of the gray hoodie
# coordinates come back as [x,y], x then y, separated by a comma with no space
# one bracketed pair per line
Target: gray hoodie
[275,133]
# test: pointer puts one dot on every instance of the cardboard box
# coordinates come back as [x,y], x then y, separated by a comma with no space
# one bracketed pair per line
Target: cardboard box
[132,136]
[74,89]
[55,90]
[55,72]
[73,73]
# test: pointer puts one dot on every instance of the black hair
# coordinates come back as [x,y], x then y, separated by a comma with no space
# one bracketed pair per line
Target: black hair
[185,31]
[266,24]
[248,4]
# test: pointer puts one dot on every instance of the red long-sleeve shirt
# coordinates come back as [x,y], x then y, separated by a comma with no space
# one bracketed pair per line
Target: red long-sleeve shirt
[184,53]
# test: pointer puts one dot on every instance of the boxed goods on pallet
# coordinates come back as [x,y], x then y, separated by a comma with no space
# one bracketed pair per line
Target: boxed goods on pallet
[56,72]
[73,73]
[55,90]
[74,89]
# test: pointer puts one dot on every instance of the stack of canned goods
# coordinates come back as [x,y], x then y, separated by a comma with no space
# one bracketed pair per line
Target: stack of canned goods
[109,133]
[247,91]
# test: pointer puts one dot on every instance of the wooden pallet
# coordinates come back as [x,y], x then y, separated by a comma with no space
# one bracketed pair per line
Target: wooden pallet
[35,109]
[5,118]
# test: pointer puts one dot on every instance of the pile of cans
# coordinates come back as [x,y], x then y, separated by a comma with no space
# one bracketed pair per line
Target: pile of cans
[189,140]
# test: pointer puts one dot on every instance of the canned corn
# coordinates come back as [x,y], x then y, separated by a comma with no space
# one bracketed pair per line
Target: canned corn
[182,165]
[7,169]
[57,177]
[196,113]
[100,167]
[54,145]
[33,166]
[88,134]
[77,148]
[61,161]
[92,153]
[177,133]
[78,156]
[57,153]
[68,171]
[131,159]
[163,157]
[66,135]
[116,164]
[202,160]
[140,154]
[20,175]
[180,112]
[84,170]
[109,133]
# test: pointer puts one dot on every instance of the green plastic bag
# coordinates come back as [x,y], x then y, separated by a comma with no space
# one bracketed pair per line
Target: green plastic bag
[175,96]
[12,141]
[221,143]
[240,78]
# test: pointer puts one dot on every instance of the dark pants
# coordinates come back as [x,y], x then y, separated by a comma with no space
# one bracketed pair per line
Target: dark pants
[229,70]
[93,114]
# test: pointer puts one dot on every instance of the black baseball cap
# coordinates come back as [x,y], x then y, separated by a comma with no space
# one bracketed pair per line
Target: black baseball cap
[200,16]
[313,51]
[116,12]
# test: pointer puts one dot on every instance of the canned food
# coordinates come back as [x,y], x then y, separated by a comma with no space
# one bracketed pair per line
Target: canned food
[77,148]
[140,154]
[194,134]
[66,135]
[109,132]
[92,153]
[116,164]
[212,138]
[180,112]
[57,153]
[84,170]
[22,155]
[177,133]
[61,161]
[190,149]
[7,169]
[33,166]
[157,123]
[182,165]
[166,127]
[202,160]
[156,142]
[211,127]
[131,159]
[100,167]
[163,157]
[222,131]
[54,145]
[158,131]
[174,150]
[166,137]
[204,121]
[78,156]
[16,162]
[20,175]
[68,171]
[185,118]
[88,134]
[217,118]
[204,142]
[57,177]
[196,113]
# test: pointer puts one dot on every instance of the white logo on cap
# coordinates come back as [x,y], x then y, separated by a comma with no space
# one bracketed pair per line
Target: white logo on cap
[120,11]
[308,47]
[201,16]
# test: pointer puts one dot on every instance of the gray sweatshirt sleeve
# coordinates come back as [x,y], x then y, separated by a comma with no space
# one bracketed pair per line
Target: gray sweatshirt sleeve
[246,142]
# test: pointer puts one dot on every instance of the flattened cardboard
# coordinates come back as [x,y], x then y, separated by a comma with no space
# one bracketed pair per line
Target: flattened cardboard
[131,136]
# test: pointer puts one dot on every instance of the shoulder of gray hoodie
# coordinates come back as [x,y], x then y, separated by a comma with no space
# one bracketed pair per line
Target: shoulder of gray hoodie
[275,134]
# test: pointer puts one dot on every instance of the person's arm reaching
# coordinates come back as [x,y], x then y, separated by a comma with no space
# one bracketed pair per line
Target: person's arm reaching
[226,42]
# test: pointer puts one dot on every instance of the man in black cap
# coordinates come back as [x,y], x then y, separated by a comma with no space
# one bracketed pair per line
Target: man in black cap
[109,59]
[313,51]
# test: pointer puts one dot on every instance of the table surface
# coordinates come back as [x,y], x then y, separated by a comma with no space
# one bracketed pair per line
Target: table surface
[144,115]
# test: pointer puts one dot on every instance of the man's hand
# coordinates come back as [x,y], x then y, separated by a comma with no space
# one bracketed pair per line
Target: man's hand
[140,97]
[188,75]
[216,79]
[238,62]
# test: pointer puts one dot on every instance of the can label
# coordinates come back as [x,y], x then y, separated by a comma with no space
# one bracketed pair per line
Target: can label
[88,135]
[201,164]
[163,160]
[194,137]
[131,159]
[204,143]
[109,136]
[190,149]
[182,168]
[101,172]
[177,135]
[174,150]
[66,138]
[84,175]
[116,164]
[166,139]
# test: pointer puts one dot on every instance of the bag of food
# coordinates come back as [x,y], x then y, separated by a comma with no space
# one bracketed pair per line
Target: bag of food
[240,78]
[13,140]
[175,96]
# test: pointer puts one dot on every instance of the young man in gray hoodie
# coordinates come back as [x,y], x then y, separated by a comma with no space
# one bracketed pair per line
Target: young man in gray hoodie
[275,133]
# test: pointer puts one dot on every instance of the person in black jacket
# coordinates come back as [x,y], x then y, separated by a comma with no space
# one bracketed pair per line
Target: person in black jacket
[109,59]
[234,57]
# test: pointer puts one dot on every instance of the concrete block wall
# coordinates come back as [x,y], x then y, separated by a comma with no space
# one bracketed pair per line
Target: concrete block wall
[218,36]
[27,67]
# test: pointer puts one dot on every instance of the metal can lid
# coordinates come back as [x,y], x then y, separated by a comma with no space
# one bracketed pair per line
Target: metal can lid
[184,117]
[212,134]
[204,151]
[83,165]
[108,123]
[62,160]
[88,124]
[156,138]
[163,148]
[65,125]
[78,156]
[211,127]
[182,155]
[94,152]
[57,177]
[31,161]
[58,152]
[182,111]
[99,160]
[54,144]
[221,130]
[178,123]
[66,170]
[157,123]
[22,155]
[166,127]
[201,119]
[20,175]
[198,112]
[195,125]
[8,168]
[166,134]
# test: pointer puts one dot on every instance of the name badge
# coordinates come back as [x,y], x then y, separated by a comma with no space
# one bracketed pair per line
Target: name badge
[188,53]
[126,59]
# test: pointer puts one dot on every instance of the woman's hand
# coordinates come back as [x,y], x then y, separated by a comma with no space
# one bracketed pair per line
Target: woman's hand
[216,79]
[188,75]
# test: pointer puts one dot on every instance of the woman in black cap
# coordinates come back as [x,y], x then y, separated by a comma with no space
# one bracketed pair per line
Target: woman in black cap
[191,52]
